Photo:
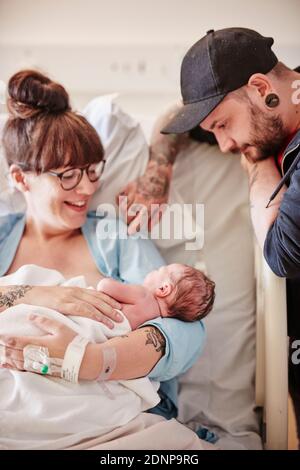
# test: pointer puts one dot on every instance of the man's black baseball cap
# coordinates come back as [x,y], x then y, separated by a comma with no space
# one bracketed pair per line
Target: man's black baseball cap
[220,62]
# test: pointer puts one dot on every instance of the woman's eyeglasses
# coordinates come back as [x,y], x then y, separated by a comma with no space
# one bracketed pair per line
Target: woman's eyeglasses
[71,178]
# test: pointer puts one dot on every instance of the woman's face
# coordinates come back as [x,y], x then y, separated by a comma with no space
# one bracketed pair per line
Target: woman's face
[55,207]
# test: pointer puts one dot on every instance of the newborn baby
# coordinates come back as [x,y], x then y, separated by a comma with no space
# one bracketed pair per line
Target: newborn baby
[176,290]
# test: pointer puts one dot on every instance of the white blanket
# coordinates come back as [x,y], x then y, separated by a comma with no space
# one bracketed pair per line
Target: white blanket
[38,412]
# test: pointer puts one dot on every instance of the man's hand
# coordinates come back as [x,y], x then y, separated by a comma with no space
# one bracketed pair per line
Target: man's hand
[263,178]
[142,200]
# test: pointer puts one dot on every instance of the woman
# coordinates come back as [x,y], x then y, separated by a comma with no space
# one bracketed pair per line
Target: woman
[56,161]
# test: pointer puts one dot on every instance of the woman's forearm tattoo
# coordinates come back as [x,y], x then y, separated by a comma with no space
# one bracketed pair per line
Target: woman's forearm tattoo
[7,299]
[156,338]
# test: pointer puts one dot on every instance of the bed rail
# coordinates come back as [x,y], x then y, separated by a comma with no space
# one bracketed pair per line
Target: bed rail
[271,354]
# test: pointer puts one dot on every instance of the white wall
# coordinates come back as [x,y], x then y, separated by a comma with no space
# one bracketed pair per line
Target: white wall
[142,21]
[131,46]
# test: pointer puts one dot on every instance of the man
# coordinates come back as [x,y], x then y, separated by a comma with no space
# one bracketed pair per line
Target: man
[233,86]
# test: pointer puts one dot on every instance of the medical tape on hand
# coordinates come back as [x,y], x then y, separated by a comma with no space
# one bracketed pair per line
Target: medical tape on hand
[73,358]
[36,359]
[109,356]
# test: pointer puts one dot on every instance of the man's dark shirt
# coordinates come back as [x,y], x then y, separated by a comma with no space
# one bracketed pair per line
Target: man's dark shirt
[282,244]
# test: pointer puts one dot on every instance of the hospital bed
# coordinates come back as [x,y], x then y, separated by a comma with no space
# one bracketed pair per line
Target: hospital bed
[238,388]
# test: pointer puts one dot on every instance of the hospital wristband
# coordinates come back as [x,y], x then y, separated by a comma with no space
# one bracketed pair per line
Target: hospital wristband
[73,359]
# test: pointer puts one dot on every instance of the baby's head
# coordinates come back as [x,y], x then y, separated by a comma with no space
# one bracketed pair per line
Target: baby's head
[186,292]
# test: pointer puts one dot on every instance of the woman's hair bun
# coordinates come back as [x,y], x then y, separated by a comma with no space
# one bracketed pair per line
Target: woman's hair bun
[31,93]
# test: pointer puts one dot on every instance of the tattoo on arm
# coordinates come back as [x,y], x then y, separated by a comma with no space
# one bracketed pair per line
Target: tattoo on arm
[153,184]
[161,159]
[156,338]
[7,299]
[165,150]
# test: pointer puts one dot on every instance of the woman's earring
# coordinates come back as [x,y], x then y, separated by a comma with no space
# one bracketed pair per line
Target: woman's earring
[272,100]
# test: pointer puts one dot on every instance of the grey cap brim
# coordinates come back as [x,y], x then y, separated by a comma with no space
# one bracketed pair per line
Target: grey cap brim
[191,115]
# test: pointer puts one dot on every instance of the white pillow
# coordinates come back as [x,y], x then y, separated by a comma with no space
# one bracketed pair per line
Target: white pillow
[126,149]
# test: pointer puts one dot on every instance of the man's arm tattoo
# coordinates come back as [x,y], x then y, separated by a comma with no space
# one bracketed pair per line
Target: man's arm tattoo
[7,299]
[156,338]
[160,159]
[164,151]
[153,184]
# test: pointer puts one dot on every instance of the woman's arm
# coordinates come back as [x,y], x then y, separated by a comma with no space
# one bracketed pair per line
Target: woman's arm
[162,350]
[67,300]
[184,344]
[136,353]
[12,295]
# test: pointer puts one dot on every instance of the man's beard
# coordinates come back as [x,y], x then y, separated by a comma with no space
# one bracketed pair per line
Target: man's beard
[268,135]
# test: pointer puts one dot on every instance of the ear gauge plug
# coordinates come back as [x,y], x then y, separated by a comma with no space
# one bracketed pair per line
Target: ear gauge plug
[272,100]
[19,178]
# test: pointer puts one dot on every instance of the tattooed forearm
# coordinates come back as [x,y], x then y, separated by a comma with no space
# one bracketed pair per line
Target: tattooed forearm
[160,159]
[155,337]
[8,298]
[154,184]
[165,148]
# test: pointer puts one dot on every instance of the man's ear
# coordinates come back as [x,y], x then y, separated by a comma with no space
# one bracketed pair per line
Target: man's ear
[164,290]
[19,178]
[261,84]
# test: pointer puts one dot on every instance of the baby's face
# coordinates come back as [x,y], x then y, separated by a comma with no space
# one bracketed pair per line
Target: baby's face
[166,274]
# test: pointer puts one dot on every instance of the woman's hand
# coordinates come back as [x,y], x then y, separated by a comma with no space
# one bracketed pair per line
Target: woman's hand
[74,301]
[56,338]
